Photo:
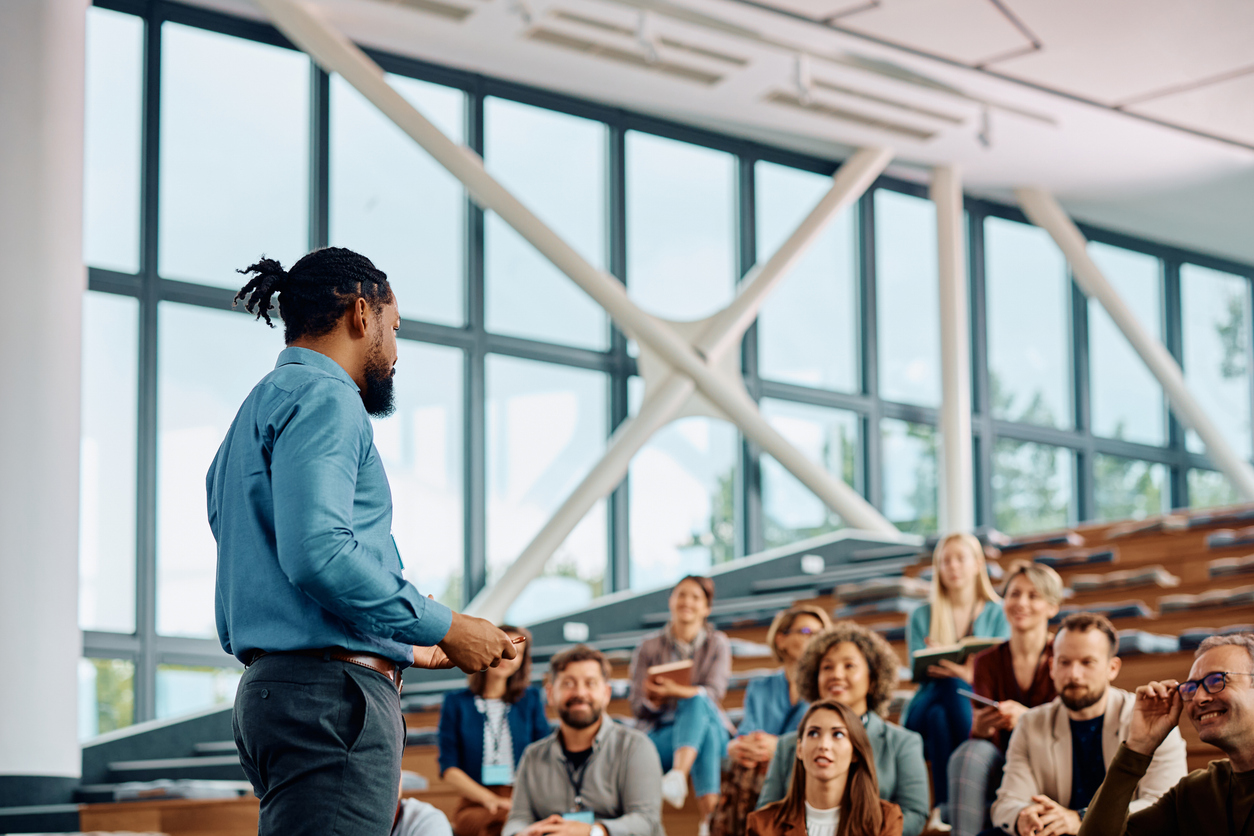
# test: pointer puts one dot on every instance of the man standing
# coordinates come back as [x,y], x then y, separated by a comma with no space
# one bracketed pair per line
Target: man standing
[309,591]
[592,776]
[1219,697]
[1059,751]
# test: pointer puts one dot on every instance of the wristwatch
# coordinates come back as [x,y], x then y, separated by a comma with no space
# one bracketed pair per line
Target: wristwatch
[1082,811]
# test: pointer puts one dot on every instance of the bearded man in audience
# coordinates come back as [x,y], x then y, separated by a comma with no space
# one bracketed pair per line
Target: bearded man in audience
[1219,699]
[1060,751]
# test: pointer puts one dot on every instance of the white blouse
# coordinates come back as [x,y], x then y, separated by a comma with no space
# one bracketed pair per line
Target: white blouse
[821,822]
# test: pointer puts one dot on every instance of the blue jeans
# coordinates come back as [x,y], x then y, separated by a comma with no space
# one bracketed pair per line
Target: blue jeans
[696,724]
[943,717]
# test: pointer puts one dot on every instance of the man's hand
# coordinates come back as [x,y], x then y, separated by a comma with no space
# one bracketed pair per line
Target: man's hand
[1056,820]
[1155,713]
[555,825]
[1029,821]
[473,644]
[431,658]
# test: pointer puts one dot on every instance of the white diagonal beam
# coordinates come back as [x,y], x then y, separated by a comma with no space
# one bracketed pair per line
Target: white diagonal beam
[1044,211]
[662,403]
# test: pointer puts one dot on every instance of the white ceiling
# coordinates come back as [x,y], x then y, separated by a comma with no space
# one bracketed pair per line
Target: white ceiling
[1137,114]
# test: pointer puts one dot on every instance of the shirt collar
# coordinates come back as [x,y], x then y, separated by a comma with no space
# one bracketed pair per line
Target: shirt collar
[309,357]
[597,742]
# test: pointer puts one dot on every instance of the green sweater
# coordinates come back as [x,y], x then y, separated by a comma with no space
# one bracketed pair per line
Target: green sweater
[1210,801]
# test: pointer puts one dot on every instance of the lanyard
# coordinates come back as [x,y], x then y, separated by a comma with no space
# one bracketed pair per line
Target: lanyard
[494,731]
[576,776]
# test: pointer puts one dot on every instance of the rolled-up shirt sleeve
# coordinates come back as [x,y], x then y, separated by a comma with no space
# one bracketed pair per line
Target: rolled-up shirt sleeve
[319,445]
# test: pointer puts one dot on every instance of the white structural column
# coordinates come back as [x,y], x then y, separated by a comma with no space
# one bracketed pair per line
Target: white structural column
[957,495]
[662,403]
[1044,211]
[42,280]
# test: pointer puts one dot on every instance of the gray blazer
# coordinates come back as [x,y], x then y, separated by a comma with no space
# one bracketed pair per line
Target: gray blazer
[1038,761]
[899,767]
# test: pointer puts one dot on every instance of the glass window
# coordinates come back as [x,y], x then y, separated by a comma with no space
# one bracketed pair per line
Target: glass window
[546,428]
[106,696]
[182,689]
[790,512]
[808,328]
[1210,489]
[209,361]
[107,463]
[1031,486]
[234,155]
[421,448]
[910,475]
[1029,325]
[681,216]
[394,204]
[1128,489]
[555,164]
[111,140]
[907,298]
[1216,312]
[1127,401]
[681,492]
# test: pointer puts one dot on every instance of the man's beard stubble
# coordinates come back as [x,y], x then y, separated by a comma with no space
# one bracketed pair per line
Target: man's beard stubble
[379,394]
[1086,699]
[577,722]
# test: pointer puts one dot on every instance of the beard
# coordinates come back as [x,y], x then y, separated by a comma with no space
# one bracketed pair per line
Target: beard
[379,394]
[1080,697]
[576,721]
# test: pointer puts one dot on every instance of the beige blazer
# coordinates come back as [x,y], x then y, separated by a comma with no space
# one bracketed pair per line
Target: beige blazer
[1038,761]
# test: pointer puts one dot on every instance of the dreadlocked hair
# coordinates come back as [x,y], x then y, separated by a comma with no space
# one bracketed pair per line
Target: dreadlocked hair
[315,292]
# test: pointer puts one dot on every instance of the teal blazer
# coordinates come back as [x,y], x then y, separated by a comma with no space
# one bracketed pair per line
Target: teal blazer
[899,766]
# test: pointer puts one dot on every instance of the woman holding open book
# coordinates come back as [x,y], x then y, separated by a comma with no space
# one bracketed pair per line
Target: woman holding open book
[856,667]
[678,678]
[1014,676]
[834,788]
[961,605]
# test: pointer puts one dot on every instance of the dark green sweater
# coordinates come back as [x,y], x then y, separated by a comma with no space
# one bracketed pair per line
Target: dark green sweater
[1210,801]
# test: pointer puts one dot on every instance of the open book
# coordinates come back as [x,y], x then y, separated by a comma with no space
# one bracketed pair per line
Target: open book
[678,672]
[956,653]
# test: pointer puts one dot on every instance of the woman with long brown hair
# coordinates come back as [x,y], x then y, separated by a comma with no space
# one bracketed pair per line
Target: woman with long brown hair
[483,731]
[834,791]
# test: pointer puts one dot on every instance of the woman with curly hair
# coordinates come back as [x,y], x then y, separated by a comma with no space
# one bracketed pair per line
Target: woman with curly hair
[856,667]
[834,789]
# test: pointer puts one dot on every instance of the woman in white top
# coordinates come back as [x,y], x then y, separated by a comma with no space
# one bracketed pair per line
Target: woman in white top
[833,791]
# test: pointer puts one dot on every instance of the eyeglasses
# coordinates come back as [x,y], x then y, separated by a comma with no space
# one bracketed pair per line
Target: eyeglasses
[805,631]
[1212,682]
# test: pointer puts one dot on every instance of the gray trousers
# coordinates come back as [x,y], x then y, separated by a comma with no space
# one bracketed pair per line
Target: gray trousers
[321,742]
[975,771]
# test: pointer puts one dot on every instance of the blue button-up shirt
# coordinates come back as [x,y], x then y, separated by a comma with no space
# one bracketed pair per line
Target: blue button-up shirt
[302,512]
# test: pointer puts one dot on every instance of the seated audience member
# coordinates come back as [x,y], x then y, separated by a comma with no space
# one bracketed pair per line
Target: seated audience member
[1059,751]
[1016,674]
[483,731]
[592,776]
[962,603]
[833,782]
[1219,699]
[685,722]
[857,668]
[773,706]
[418,818]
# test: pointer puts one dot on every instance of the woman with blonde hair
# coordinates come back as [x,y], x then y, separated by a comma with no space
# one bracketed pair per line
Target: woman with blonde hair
[962,603]
[1015,674]
[773,706]
[834,790]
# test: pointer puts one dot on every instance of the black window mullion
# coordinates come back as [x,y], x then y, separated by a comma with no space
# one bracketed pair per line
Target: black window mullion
[750,529]
[618,572]
[982,420]
[1173,320]
[870,470]
[475,394]
[319,158]
[1083,483]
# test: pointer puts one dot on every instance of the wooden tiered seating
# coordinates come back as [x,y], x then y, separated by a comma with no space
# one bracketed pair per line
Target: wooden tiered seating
[1183,553]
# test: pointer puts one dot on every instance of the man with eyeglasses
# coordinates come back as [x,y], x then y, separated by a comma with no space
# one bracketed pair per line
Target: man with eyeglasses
[1219,699]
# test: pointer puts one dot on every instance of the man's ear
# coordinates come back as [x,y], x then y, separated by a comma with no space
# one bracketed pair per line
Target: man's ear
[359,315]
[1115,664]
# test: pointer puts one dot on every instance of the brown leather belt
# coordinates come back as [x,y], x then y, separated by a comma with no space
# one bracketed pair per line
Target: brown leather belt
[366,660]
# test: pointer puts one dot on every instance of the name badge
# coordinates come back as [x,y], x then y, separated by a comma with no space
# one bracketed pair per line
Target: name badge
[495,775]
[585,816]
